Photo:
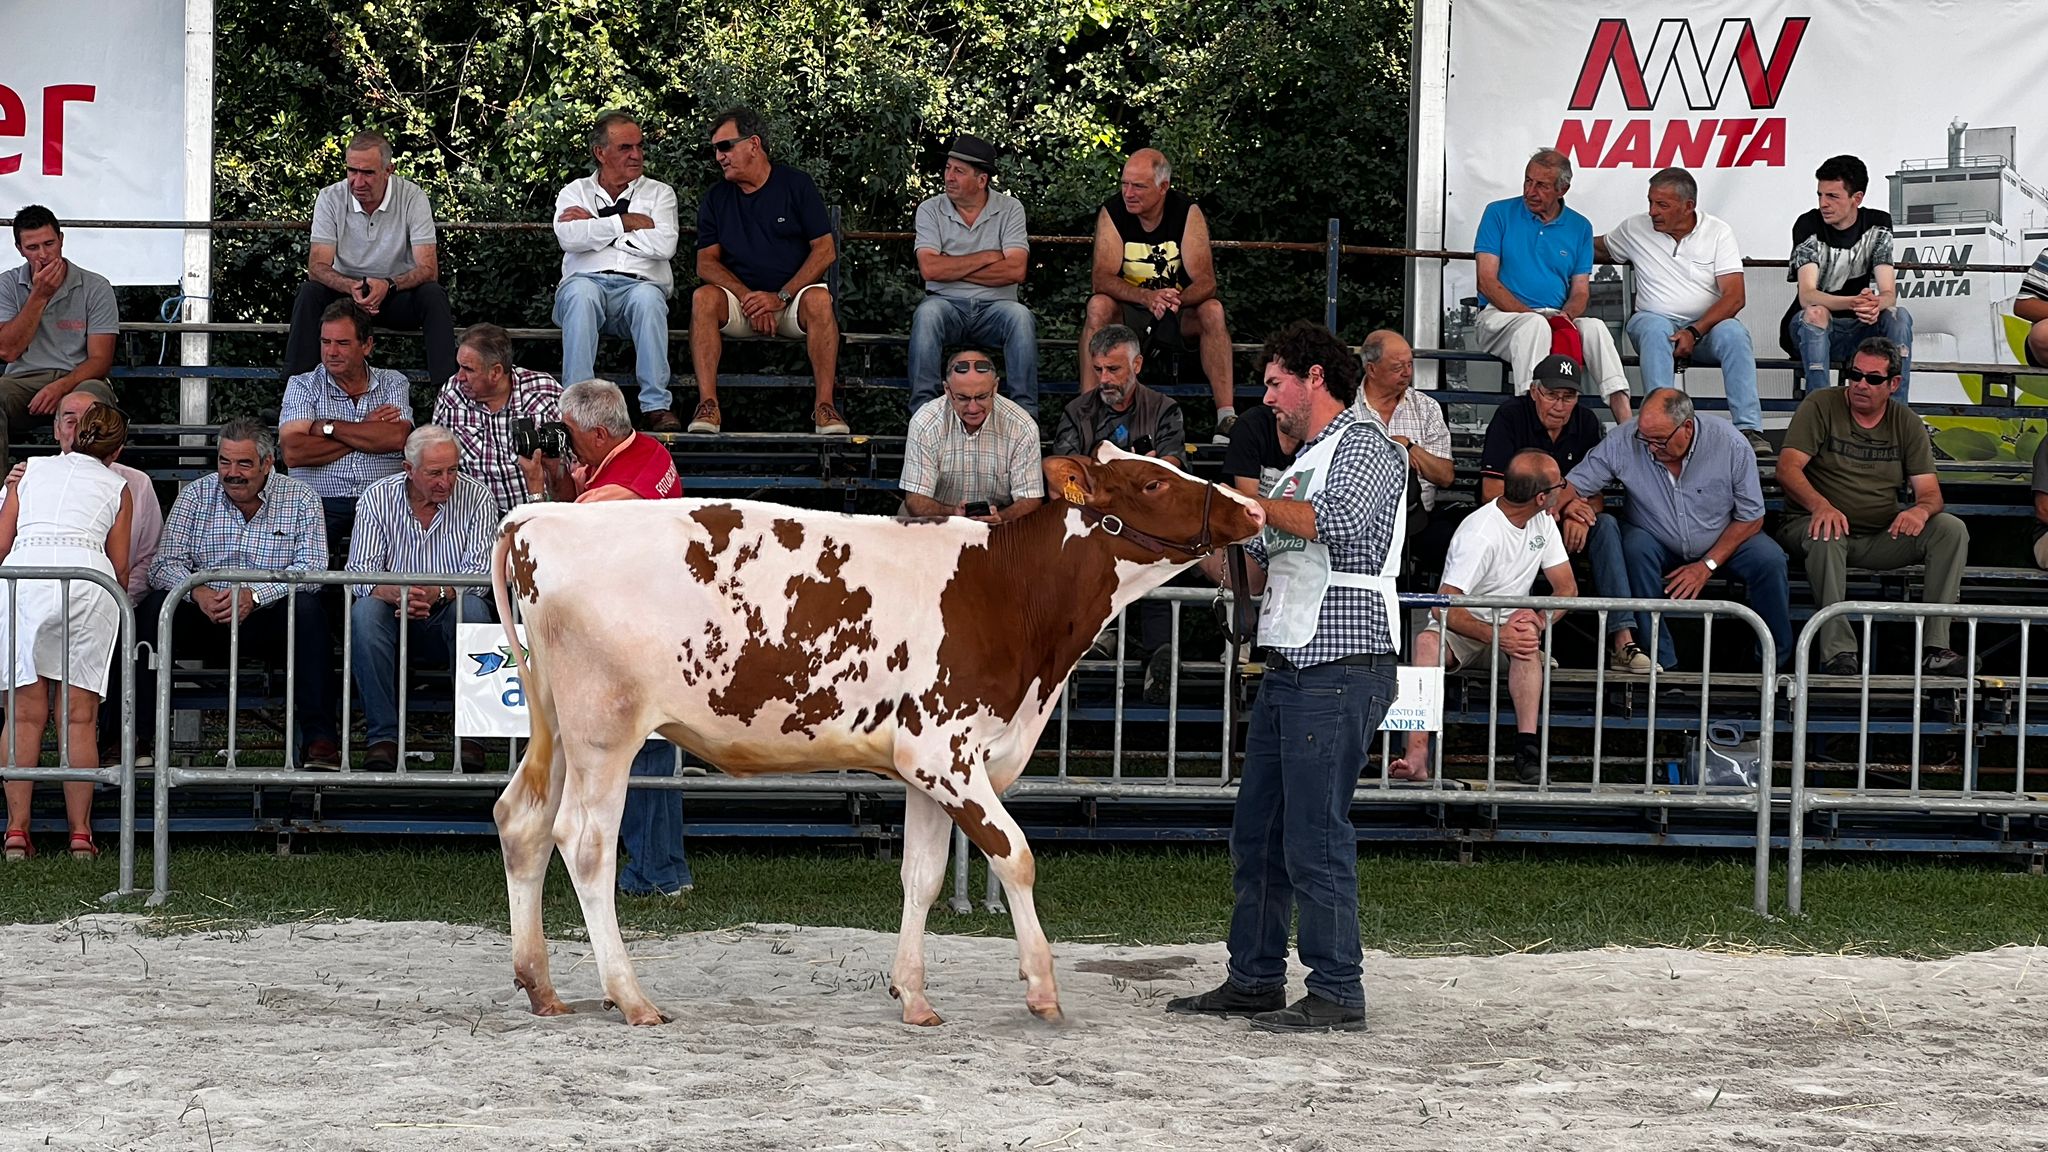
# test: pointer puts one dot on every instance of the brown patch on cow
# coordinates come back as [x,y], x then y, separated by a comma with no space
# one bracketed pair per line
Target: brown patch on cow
[882,711]
[520,566]
[900,658]
[827,620]
[907,715]
[789,534]
[858,673]
[973,820]
[832,559]
[963,764]
[701,565]
[720,521]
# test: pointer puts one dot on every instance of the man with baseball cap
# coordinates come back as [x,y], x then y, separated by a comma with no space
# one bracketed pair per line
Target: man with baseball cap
[1550,419]
[973,252]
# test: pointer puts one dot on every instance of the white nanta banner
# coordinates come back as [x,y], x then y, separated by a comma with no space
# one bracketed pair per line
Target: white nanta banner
[1940,100]
[92,127]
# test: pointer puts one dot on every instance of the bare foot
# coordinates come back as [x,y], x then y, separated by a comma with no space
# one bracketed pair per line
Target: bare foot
[1404,769]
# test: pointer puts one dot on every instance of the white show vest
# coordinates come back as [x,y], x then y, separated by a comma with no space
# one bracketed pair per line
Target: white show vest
[1298,571]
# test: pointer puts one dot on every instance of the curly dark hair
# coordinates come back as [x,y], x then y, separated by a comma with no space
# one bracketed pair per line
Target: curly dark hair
[1305,344]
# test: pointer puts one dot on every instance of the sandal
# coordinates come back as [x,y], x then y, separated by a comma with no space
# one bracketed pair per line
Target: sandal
[19,846]
[82,847]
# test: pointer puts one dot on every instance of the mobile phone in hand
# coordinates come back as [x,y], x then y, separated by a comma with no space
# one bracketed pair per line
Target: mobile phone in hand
[978,508]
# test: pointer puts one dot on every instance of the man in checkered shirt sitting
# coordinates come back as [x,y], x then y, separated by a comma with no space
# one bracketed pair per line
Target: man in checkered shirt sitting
[971,452]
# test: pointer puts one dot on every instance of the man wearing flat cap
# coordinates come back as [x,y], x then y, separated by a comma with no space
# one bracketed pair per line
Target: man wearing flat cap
[972,251]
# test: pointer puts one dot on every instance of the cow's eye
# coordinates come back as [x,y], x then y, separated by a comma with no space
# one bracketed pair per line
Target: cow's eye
[1155,487]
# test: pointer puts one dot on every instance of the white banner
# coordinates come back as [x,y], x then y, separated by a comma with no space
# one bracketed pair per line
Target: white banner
[1940,102]
[92,127]
[489,699]
[1419,702]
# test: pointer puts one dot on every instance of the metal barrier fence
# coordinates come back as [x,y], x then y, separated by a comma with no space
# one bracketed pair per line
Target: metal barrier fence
[121,774]
[1968,708]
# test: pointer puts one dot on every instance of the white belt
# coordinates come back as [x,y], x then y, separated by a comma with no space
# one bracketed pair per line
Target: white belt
[61,542]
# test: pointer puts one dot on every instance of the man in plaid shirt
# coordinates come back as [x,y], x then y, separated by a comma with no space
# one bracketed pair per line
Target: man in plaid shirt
[1325,563]
[487,393]
[971,446]
[247,516]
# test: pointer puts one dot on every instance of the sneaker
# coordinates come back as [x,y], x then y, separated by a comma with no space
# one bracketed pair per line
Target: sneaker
[1223,428]
[1942,662]
[1227,999]
[1528,766]
[1311,1013]
[828,421]
[1629,658]
[1758,443]
[661,420]
[1842,664]
[1159,676]
[705,419]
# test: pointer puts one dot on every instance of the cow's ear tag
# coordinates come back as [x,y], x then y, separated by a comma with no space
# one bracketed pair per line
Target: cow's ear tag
[1073,493]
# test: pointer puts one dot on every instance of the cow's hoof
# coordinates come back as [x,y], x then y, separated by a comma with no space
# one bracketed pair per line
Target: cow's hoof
[645,1016]
[1050,1013]
[923,1019]
[550,1005]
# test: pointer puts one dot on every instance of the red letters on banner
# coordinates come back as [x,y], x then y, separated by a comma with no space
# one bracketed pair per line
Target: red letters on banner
[1746,142]
[14,123]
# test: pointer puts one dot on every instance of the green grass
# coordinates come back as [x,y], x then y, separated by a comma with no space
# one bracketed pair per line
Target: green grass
[1414,902]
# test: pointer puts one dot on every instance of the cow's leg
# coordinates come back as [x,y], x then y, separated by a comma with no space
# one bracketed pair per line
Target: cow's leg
[926,836]
[526,817]
[587,831]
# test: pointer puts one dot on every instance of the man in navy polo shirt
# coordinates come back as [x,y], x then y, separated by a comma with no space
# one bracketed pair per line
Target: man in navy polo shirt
[1535,262]
[1550,419]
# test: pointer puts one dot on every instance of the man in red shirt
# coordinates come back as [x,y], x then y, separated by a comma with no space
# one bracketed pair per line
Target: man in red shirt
[613,462]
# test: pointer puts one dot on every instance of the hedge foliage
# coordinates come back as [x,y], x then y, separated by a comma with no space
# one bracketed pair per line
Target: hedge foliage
[1278,113]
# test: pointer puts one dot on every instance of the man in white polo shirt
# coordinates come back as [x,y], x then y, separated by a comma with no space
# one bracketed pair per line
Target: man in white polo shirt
[1498,550]
[1689,296]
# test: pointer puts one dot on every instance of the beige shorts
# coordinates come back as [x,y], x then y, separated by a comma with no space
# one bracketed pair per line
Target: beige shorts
[1463,649]
[786,326]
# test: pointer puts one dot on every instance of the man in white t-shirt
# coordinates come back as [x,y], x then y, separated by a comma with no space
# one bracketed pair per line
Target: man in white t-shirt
[1498,551]
[1689,296]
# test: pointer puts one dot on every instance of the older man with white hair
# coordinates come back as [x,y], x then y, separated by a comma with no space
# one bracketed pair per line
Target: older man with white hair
[430,521]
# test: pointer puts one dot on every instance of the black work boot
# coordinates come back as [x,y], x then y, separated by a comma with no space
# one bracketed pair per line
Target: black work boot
[1311,1013]
[1227,999]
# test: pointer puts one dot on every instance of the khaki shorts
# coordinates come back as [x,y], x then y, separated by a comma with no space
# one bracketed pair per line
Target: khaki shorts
[786,326]
[1464,650]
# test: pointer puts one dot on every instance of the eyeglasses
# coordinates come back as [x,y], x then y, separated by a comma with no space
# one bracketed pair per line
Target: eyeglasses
[1661,443]
[1553,488]
[963,367]
[723,146]
[1876,379]
[1556,395]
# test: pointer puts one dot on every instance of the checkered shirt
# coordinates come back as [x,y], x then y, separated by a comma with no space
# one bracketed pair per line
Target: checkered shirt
[315,396]
[998,463]
[389,538]
[485,437]
[1355,510]
[288,533]
[1421,419]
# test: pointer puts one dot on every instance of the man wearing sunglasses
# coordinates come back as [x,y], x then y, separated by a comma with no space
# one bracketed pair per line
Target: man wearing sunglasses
[972,452]
[1695,507]
[973,252]
[764,241]
[1847,454]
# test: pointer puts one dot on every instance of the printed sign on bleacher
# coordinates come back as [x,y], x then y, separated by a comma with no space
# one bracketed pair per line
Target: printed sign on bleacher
[489,699]
[1420,705]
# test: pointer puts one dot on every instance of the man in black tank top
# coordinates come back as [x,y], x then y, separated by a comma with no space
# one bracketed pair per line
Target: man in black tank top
[1153,266]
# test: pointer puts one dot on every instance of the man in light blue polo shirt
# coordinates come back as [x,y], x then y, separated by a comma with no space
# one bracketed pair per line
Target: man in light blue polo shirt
[1535,261]
[973,252]
[1695,506]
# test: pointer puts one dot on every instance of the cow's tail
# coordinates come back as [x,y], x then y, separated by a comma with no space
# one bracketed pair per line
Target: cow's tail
[538,761]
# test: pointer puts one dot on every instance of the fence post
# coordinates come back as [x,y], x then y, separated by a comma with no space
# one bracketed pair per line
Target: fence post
[1330,253]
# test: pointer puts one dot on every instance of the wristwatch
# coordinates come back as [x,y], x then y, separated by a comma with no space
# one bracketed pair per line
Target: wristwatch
[783,296]
[1709,562]
[327,429]
[1697,335]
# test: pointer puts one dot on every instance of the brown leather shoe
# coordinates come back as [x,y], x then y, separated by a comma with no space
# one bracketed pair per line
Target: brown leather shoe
[323,754]
[705,419]
[662,420]
[828,422]
[381,757]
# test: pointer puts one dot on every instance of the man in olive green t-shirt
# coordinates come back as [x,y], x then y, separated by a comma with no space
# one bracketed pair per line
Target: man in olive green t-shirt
[1846,455]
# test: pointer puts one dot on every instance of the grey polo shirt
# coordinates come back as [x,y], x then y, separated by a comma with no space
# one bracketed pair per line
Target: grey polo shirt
[83,307]
[999,228]
[1716,485]
[376,243]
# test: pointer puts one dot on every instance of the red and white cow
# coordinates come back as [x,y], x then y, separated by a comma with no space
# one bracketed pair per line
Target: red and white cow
[769,639]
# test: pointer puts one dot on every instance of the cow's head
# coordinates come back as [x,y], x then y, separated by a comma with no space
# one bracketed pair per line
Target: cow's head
[1154,506]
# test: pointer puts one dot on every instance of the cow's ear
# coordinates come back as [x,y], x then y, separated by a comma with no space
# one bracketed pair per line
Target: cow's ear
[1070,478]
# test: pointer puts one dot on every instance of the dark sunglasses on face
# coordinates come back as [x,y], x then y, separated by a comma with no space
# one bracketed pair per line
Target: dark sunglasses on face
[962,367]
[1876,379]
[726,145]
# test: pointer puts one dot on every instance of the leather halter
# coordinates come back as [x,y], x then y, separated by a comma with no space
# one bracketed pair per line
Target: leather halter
[1200,546]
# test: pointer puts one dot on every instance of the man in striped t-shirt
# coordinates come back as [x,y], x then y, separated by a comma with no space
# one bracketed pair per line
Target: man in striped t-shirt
[429,520]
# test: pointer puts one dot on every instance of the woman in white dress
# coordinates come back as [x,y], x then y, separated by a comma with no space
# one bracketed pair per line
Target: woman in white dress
[68,511]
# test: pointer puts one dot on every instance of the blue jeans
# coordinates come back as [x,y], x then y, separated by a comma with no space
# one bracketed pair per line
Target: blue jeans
[651,830]
[613,304]
[1820,349]
[1727,345]
[1759,564]
[1610,571]
[1292,847]
[373,652]
[942,321]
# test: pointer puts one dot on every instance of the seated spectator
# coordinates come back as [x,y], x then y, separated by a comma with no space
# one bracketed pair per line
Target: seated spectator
[1120,410]
[1695,505]
[247,516]
[972,252]
[57,327]
[68,511]
[374,246]
[343,425]
[972,452]
[429,519]
[1413,419]
[1534,257]
[1154,272]
[1848,288]
[478,407]
[1259,452]
[1498,551]
[764,241]
[2032,306]
[1689,296]
[617,229]
[1550,419]
[1847,453]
